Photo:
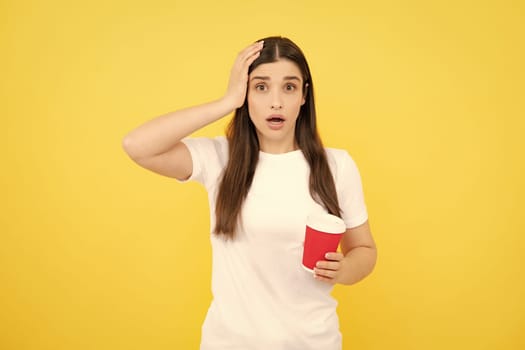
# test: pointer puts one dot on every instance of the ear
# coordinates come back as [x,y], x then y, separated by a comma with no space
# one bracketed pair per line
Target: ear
[305,92]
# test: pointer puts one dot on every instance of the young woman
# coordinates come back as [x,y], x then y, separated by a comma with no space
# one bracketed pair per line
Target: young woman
[263,179]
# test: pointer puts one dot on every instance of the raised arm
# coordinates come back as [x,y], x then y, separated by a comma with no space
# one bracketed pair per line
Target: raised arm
[156,145]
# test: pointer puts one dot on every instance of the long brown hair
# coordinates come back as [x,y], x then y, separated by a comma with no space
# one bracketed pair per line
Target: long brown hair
[244,146]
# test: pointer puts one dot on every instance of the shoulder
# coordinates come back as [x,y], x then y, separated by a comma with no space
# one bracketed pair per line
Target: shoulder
[338,156]
[341,163]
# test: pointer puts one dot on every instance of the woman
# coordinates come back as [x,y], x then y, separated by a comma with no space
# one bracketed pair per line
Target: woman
[263,179]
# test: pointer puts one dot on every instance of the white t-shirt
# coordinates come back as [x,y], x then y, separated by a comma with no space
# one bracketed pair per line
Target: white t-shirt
[262,297]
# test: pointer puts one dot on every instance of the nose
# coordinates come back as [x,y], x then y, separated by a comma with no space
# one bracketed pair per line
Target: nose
[276,100]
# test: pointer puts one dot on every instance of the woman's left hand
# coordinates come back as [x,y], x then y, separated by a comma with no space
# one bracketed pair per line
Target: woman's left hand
[328,270]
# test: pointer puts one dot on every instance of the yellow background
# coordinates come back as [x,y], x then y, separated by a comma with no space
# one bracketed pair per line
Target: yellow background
[427,96]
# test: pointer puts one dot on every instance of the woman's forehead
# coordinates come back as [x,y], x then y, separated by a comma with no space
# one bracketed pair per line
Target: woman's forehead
[278,70]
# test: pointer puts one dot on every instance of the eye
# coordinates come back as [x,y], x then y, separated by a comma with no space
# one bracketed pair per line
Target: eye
[290,87]
[260,87]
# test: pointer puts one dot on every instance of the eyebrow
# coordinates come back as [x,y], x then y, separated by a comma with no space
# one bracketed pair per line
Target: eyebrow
[289,77]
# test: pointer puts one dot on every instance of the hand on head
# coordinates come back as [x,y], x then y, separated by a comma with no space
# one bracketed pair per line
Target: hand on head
[237,84]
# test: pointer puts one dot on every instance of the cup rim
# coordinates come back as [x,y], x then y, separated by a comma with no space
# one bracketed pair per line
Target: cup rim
[326,222]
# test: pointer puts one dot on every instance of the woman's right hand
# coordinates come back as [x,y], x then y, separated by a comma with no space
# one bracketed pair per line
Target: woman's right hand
[238,83]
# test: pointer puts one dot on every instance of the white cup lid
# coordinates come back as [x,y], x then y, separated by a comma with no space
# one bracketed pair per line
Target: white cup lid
[325,222]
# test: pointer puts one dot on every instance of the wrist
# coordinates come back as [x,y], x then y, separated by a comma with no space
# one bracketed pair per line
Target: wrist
[231,102]
[221,108]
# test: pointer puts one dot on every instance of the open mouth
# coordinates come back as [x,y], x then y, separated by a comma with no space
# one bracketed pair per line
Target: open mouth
[275,120]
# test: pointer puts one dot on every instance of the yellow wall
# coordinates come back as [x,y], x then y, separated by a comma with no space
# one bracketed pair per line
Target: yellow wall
[97,253]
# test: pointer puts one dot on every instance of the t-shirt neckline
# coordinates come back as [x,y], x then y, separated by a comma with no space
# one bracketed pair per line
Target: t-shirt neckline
[285,155]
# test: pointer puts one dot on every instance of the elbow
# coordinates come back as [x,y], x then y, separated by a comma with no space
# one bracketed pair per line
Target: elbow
[126,145]
[370,261]
[373,261]
[130,147]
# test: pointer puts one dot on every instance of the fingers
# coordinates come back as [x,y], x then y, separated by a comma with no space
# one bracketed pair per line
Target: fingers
[237,86]
[328,265]
[250,54]
[325,279]
[327,276]
[328,270]
[252,49]
[334,256]
[325,273]
[252,58]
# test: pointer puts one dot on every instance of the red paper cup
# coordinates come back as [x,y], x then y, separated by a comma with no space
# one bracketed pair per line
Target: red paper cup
[323,233]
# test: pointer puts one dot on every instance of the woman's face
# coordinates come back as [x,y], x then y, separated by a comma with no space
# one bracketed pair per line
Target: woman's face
[275,97]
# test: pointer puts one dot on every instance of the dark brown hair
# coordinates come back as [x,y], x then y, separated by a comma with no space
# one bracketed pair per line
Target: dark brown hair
[244,146]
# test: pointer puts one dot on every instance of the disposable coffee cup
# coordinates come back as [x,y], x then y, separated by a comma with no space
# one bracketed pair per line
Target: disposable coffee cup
[322,235]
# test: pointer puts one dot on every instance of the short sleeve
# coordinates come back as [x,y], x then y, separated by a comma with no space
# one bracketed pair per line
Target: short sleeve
[209,156]
[350,191]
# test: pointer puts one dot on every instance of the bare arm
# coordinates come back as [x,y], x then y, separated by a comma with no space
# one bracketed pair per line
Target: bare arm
[155,145]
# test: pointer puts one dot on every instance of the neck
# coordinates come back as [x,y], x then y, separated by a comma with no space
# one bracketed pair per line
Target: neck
[277,147]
